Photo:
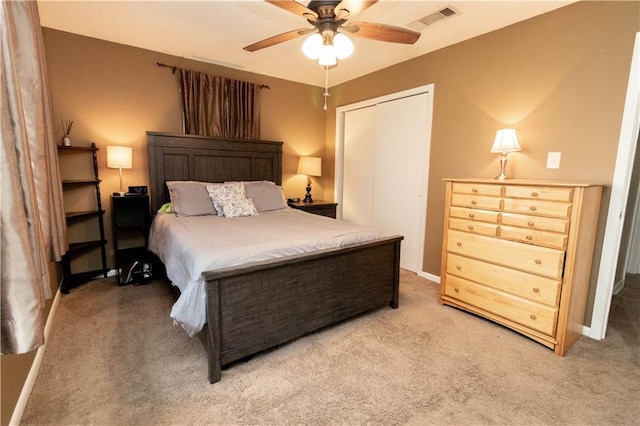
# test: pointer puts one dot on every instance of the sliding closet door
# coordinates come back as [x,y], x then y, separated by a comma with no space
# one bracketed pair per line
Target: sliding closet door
[400,153]
[385,163]
[357,192]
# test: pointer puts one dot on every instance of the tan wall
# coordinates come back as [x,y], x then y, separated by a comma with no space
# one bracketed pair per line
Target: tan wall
[115,93]
[560,79]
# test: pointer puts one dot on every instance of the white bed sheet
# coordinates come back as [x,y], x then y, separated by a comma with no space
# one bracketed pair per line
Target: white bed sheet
[189,246]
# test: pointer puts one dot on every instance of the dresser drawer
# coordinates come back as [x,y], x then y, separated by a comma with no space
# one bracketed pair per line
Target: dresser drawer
[481,228]
[539,193]
[522,284]
[474,214]
[534,236]
[536,222]
[475,201]
[538,260]
[535,207]
[477,189]
[530,314]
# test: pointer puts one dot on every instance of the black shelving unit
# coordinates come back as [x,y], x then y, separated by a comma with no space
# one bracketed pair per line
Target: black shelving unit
[131,222]
[94,213]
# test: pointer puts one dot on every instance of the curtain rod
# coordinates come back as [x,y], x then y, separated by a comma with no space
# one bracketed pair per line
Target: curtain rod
[175,68]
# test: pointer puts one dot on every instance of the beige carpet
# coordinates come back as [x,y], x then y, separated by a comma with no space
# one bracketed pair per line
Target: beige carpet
[114,357]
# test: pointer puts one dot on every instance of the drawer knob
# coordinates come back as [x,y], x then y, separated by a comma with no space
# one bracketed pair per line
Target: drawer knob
[534,194]
[459,268]
[529,237]
[536,290]
[459,244]
[474,190]
[530,223]
[533,208]
[470,227]
[474,202]
[457,290]
[532,316]
[538,262]
[471,215]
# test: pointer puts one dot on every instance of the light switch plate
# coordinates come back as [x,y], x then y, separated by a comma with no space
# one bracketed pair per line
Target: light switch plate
[553,160]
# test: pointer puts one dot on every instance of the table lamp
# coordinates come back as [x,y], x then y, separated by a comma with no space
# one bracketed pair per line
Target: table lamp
[506,141]
[119,157]
[310,166]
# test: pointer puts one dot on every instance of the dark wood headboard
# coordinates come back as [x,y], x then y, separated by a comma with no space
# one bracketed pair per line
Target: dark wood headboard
[208,159]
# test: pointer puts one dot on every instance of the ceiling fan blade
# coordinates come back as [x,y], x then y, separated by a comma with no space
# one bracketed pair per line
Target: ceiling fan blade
[280,38]
[354,6]
[382,32]
[293,7]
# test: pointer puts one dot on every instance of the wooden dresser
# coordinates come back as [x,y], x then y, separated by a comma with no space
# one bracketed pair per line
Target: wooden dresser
[519,253]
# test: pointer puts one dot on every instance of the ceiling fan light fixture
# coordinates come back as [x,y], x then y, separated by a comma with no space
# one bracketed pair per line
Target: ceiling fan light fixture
[312,45]
[327,56]
[343,46]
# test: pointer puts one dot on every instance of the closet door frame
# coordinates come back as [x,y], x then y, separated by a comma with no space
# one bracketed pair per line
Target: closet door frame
[339,155]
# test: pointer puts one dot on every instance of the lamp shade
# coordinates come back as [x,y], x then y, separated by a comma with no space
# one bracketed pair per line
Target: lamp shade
[311,46]
[506,141]
[119,157]
[343,46]
[327,56]
[310,166]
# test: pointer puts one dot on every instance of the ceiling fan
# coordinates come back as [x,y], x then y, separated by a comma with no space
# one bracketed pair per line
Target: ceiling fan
[329,19]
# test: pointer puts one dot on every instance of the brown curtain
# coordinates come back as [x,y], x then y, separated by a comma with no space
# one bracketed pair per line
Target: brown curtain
[32,225]
[218,106]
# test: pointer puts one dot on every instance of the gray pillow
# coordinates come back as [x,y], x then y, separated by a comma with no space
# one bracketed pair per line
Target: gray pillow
[266,195]
[190,198]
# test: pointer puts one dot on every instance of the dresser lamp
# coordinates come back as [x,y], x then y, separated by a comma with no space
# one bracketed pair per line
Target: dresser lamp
[310,166]
[119,157]
[506,141]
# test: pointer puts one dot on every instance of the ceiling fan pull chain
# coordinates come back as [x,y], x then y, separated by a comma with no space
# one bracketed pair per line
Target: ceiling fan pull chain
[326,86]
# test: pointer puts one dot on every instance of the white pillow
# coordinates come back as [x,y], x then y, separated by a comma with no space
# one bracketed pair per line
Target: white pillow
[230,200]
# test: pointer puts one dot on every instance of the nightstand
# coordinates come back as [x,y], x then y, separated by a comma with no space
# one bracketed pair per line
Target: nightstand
[319,207]
[131,221]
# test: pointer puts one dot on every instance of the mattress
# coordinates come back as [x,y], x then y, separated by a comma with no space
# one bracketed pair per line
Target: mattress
[189,246]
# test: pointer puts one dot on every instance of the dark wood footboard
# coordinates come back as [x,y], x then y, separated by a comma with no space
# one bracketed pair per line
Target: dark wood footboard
[255,307]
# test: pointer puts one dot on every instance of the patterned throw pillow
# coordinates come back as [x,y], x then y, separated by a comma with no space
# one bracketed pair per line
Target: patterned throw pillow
[230,200]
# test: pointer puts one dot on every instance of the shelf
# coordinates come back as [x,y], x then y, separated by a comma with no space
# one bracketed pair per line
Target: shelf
[81,181]
[62,148]
[85,245]
[79,278]
[83,214]
[94,211]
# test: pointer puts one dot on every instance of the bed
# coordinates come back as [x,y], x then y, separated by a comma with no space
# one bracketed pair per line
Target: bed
[261,304]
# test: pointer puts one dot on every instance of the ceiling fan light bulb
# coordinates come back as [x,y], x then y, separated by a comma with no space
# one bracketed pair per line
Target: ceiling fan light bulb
[343,46]
[327,56]
[312,45]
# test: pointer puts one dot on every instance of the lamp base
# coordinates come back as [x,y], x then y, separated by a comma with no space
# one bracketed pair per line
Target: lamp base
[503,166]
[307,197]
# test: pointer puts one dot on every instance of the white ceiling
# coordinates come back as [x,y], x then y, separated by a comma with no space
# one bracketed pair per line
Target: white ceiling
[216,31]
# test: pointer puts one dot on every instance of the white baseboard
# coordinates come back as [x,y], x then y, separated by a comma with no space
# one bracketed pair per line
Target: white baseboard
[21,404]
[430,277]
